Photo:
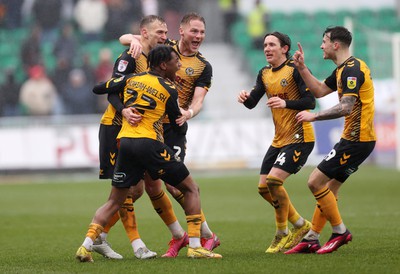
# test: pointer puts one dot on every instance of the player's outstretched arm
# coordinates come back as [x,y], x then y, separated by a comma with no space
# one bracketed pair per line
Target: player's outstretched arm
[133,41]
[317,88]
[344,108]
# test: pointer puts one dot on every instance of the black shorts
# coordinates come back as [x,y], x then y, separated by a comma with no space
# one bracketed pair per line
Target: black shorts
[345,158]
[175,140]
[139,154]
[108,150]
[290,158]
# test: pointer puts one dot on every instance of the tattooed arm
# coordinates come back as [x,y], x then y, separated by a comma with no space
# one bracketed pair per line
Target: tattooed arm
[344,108]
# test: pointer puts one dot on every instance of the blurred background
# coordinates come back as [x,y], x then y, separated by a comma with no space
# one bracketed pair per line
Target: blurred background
[52,52]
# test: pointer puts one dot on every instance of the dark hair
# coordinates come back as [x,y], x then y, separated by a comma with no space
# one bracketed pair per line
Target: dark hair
[284,40]
[159,54]
[340,34]
[192,16]
[150,19]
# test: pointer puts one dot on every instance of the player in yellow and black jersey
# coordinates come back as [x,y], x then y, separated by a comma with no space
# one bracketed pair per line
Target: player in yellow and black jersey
[293,142]
[196,71]
[124,65]
[284,82]
[353,82]
[193,81]
[154,96]
[153,31]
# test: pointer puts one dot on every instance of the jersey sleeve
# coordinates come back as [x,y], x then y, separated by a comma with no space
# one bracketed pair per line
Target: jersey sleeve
[331,81]
[172,107]
[115,100]
[256,93]
[114,85]
[205,79]
[306,101]
[125,64]
[352,78]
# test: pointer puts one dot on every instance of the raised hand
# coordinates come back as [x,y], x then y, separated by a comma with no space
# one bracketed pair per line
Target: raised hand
[298,57]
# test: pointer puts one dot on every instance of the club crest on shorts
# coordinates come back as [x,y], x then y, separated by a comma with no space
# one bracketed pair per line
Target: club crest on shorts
[122,65]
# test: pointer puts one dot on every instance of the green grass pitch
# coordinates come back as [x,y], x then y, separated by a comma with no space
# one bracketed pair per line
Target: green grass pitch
[45,221]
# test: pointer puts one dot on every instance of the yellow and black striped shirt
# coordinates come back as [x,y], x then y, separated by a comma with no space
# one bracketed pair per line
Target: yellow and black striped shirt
[125,64]
[353,78]
[152,95]
[286,83]
[195,71]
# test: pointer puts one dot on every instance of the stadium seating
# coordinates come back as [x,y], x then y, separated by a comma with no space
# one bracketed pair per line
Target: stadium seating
[304,27]
[307,28]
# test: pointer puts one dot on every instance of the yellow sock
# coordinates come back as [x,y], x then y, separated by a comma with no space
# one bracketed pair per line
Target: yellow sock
[194,224]
[181,198]
[264,192]
[94,231]
[293,215]
[280,201]
[163,206]
[327,203]
[281,212]
[128,219]
[114,219]
[318,220]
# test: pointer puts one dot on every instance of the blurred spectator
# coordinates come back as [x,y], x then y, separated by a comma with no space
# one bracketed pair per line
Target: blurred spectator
[398,8]
[31,53]
[77,96]
[9,95]
[103,72]
[230,10]
[60,73]
[91,17]
[87,67]
[136,15]
[66,46]
[47,14]
[26,11]
[119,18]
[257,24]
[3,11]
[172,12]
[104,68]
[10,13]
[149,7]
[38,95]
[67,11]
